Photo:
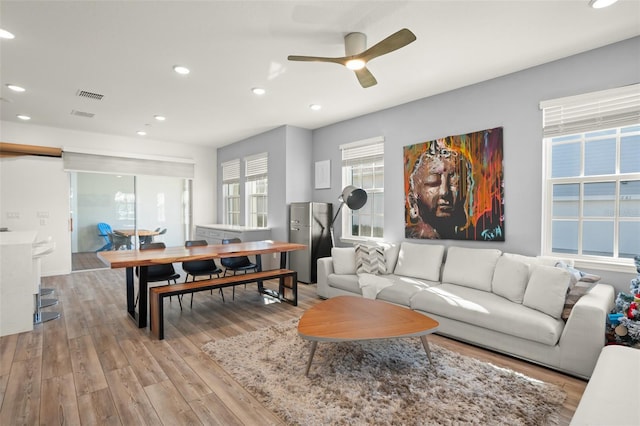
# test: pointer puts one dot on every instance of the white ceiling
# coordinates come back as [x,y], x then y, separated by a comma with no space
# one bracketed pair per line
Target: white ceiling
[125,50]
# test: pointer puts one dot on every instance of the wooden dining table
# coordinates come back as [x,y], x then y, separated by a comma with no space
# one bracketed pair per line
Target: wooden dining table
[140,232]
[142,259]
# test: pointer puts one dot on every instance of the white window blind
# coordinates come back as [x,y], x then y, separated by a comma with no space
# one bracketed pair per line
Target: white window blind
[257,165]
[76,161]
[231,171]
[367,150]
[605,109]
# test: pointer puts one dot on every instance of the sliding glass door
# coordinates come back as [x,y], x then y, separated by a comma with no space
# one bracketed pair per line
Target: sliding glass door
[125,205]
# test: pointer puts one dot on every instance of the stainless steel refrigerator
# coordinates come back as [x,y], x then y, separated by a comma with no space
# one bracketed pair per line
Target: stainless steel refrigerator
[309,224]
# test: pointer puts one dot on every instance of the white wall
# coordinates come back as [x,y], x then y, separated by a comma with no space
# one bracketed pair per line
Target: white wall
[204,183]
[35,196]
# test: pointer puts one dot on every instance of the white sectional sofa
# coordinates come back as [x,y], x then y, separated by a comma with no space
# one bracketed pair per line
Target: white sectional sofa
[505,302]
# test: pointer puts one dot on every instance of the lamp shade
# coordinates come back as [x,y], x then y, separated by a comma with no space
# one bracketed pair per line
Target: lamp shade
[354,197]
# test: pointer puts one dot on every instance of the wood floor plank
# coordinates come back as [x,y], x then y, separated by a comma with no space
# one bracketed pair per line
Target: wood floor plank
[134,408]
[56,359]
[142,363]
[59,405]
[109,352]
[183,377]
[117,367]
[8,346]
[212,411]
[170,405]
[234,397]
[29,345]
[21,404]
[97,408]
[87,370]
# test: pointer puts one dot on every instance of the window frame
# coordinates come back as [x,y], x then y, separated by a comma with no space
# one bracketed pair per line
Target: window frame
[230,176]
[368,153]
[577,119]
[256,176]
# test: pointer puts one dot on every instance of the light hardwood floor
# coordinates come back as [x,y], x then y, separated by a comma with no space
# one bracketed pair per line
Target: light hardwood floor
[93,366]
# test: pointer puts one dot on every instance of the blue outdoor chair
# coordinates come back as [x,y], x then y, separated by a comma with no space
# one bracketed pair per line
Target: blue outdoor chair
[104,229]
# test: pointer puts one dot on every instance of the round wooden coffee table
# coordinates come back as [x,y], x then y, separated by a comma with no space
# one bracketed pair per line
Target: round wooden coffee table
[349,318]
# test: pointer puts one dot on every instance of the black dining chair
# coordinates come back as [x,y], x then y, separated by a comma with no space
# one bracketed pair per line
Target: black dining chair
[200,268]
[236,264]
[159,273]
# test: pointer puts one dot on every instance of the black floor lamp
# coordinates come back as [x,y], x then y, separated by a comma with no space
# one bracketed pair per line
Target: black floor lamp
[354,198]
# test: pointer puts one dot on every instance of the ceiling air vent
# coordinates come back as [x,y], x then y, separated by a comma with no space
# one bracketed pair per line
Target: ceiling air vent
[90,95]
[82,113]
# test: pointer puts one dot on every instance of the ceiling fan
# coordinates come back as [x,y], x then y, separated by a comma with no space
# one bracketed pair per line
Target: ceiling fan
[357,54]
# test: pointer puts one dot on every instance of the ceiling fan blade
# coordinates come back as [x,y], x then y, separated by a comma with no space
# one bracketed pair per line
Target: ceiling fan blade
[394,42]
[340,61]
[365,77]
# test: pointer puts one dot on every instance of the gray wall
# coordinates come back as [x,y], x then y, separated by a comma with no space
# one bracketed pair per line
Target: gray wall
[510,101]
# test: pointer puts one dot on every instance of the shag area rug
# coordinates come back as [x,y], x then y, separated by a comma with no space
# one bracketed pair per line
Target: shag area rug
[380,382]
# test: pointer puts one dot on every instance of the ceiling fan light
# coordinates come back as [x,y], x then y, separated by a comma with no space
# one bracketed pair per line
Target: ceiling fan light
[6,34]
[16,88]
[599,4]
[355,64]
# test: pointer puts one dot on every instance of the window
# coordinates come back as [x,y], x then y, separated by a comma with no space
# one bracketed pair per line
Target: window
[256,170]
[592,176]
[363,167]
[231,192]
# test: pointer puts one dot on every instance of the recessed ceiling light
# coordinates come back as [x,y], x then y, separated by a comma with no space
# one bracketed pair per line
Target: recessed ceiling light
[258,91]
[16,88]
[141,133]
[315,107]
[181,70]
[23,117]
[599,4]
[160,117]
[6,34]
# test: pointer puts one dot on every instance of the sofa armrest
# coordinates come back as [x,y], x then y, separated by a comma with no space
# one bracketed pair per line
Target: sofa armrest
[325,268]
[583,336]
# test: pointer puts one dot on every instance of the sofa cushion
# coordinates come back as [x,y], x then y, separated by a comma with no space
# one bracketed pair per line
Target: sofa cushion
[547,290]
[403,289]
[370,259]
[470,267]
[510,279]
[420,261]
[347,282]
[391,252]
[488,310]
[344,260]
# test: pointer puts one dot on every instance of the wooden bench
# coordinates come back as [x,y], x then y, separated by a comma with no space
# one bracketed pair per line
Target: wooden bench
[288,279]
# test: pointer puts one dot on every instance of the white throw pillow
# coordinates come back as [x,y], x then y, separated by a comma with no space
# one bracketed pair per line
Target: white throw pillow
[470,267]
[391,252]
[420,261]
[510,279]
[547,290]
[344,260]
[370,259]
